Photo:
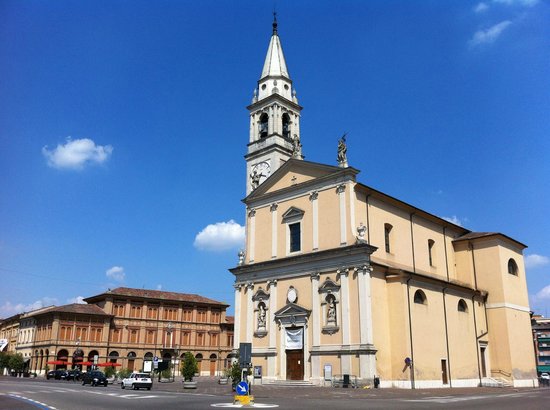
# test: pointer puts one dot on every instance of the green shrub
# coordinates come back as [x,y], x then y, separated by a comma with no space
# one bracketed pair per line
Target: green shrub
[124,373]
[189,367]
[110,371]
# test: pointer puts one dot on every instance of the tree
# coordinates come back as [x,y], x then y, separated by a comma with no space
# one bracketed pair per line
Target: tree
[4,360]
[16,362]
[189,367]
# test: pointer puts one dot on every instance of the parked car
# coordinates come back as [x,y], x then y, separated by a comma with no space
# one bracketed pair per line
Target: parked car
[56,374]
[545,376]
[73,375]
[95,378]
[137,381]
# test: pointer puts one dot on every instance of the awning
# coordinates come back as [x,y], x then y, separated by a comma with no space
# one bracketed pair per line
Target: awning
[86,363]
[57,362]
[108,364]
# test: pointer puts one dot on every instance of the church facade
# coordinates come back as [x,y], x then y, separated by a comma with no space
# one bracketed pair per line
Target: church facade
[338,278]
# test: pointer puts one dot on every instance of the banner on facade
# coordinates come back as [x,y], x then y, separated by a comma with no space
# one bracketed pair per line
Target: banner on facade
[295,339]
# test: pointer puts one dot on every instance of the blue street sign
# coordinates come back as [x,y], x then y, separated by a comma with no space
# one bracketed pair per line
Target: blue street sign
[242,389]
[155,359]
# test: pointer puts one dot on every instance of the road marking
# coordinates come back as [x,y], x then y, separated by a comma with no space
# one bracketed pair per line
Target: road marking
[238,406]
[38,404]
[455,399]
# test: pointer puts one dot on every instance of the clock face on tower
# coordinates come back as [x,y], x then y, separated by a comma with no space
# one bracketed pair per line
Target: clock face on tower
[259,173]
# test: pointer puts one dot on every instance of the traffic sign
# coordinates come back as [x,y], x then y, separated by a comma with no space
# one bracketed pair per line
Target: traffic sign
[242,388]
[155,359]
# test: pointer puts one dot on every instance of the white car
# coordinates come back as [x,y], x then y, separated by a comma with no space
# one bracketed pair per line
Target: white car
[545,376]
[137,381]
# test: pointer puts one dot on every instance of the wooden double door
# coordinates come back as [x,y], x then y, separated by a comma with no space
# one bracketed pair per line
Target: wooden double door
[295,364]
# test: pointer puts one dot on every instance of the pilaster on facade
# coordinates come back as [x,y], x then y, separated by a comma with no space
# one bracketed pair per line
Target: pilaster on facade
[238,313]
[273,209]
[341,191]
[313,197]
[251,234]
[249,312]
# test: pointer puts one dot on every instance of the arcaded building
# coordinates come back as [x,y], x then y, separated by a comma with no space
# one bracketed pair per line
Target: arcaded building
[129,328]
[338,278]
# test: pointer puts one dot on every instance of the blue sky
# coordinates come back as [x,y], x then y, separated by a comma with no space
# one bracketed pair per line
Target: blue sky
[123,128]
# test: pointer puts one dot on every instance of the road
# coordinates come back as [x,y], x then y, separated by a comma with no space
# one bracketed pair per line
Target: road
[26,394]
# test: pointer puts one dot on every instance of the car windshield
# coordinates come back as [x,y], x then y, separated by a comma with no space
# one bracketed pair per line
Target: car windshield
[142,375]
[98,374]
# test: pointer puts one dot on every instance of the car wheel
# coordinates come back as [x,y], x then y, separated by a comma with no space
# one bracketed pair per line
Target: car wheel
[105,384]
[83,382]
[148,388]
[134,387]
[122,386]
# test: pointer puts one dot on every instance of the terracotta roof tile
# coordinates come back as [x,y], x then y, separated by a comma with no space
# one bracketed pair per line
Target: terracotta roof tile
[73,308]
[230,319]
[156,294]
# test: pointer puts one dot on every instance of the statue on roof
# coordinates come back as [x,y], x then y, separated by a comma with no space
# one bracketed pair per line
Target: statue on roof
[342,152]
[296,147]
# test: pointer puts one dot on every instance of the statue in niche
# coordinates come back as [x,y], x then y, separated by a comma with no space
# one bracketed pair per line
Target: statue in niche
[331,311]
[261,316]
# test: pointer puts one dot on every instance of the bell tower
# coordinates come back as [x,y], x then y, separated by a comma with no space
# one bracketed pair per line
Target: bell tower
[274,118]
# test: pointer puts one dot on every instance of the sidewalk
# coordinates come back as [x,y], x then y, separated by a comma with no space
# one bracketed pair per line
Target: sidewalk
[209,385]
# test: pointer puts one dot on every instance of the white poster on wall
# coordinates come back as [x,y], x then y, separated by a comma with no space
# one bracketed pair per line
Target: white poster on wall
[295,338]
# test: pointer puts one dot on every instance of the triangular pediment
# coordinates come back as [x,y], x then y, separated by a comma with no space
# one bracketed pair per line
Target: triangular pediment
[260,295]
[294,173]
[292,309]
[329,286]
[293,213]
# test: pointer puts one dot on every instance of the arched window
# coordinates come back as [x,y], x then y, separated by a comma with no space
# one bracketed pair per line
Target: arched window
[286,125]
[431,243]
[148,356]
[420,297]
[263,125]
[462,306]
[512,267]
[387,237]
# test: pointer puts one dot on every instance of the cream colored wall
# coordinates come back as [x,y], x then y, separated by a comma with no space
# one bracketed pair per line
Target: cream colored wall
[428,328]
[423,231]
[262,248]
[462,339]
[382,324]
[381,213]
[463,272]
[329,219]
[306,226]
[398,326]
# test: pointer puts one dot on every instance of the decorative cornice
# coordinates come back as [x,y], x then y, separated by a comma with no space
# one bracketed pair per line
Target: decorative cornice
[274,207]
[313,195]
[341,188]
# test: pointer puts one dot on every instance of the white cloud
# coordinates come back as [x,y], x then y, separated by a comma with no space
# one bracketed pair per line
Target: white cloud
[116,273]
[489,35]
[453,219]
[543,294]
[525,3]
[78,299]
[159,287]
[9,309]
[481,7]
[220,236]
[76,154]
[536,261]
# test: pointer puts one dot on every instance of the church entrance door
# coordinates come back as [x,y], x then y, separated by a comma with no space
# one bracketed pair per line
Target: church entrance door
[295,364]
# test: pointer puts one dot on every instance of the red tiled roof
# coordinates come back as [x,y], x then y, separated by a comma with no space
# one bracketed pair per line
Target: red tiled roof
[73,308]
[230,319]
[155,294]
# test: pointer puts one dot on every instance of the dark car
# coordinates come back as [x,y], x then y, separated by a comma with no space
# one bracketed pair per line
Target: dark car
[95,378]
[56,374]
[73,375]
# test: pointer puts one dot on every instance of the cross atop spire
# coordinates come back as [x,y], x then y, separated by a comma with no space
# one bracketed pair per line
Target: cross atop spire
[274,23]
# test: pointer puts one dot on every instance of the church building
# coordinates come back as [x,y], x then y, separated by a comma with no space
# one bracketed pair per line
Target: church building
[338,278]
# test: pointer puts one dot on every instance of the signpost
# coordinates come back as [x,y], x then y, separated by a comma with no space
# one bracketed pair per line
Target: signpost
[242,388]
[155,362]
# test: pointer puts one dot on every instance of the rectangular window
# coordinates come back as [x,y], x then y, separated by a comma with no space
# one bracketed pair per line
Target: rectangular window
[118,309]
[295,245]
[115,335]
[230,340]
[152,312]
[215,317]
[214,339]
[201,315]
[135,311]
[170,313]
[186,338]
[95,334]
[133,336]
[200,339]
[187,315]
[150,338]
[431,243]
